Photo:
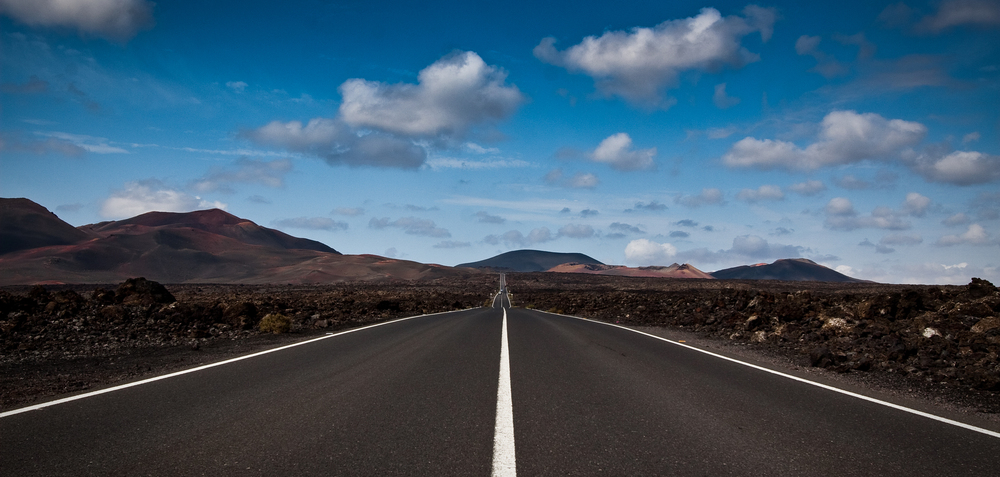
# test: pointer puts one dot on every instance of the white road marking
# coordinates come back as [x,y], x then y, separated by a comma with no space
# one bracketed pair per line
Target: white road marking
[803,380]
[200,368]
[504,463]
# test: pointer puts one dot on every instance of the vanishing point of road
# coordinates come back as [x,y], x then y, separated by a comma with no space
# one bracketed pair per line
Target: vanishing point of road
[498,391]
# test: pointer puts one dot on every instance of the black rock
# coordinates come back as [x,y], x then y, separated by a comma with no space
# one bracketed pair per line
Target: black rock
[979,288]
[820,357]
[140,291]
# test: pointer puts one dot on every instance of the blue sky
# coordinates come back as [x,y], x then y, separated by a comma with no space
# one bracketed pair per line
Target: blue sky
[862,135]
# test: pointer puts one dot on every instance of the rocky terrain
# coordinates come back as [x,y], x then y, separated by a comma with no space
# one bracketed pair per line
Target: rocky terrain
[60,339]
[941,339]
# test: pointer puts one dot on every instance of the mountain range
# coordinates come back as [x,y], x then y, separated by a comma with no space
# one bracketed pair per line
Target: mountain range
[673,271]
[205,246]
[214,246]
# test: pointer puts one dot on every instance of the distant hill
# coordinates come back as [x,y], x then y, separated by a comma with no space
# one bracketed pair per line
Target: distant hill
[529,261]
[790,269]
[25,224]
[205,246]
[673,271]
[212,221]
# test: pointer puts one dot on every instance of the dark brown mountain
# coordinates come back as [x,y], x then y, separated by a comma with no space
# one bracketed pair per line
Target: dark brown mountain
[213,221]
[25,224]
[206,246]
[789,269]
[529,261]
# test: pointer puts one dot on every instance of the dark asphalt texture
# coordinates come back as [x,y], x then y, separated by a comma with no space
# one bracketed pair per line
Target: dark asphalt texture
[418,397]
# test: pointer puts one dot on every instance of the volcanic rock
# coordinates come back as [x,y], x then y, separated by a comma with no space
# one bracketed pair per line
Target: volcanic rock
[139,291]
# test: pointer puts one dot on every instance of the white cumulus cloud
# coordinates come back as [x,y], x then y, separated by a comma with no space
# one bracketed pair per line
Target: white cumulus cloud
[617,151]
[389,125]
[840,215]
[845,137]
[644,252]
[974,235]
[452,95]
[639,64]
[118,20]
[959,168]
[152,195]
[916,204]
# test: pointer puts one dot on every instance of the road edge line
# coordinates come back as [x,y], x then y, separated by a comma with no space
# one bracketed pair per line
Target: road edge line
[36,407]
[801,380]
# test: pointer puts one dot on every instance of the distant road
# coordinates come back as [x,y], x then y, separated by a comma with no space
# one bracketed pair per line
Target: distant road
[419,397]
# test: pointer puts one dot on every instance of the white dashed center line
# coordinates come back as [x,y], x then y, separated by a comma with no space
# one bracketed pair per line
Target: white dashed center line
[503,438]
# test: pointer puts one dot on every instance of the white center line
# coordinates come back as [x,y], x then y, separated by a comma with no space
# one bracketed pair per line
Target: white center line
[503,438]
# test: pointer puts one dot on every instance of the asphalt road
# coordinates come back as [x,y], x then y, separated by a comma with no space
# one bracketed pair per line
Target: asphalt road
[419,397]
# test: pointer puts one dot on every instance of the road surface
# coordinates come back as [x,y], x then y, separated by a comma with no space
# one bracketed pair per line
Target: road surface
[419,396]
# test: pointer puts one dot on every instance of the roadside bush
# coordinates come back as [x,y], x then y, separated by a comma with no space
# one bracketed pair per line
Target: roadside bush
[275,323]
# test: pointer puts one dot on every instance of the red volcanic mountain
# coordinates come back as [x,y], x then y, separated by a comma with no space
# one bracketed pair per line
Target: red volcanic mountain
[673,271]
[203,224]
[205,246]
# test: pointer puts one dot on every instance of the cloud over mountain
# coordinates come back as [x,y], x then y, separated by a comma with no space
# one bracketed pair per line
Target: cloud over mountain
[150,195]
[646,252]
